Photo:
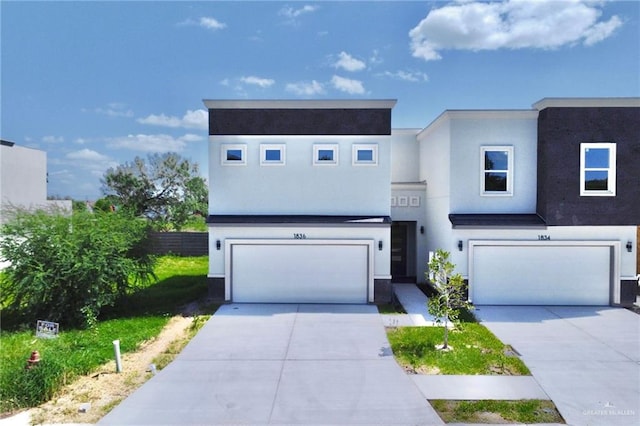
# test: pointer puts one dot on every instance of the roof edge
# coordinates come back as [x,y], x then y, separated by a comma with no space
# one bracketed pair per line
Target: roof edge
[300,103]
[586,102]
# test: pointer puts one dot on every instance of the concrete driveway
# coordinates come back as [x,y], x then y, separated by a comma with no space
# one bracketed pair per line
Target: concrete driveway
[587,359]
[281,364]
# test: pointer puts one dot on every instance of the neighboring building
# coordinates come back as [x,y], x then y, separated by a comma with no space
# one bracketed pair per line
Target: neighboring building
[536,206]
[23,178]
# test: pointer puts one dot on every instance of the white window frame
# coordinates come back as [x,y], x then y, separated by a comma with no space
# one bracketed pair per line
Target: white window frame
[273,147]
[323,147]
[509,171]
[611,170]
[364,147]
[224,148]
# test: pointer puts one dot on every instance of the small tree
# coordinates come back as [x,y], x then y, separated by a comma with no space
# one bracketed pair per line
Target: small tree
[450,292]
[66,268]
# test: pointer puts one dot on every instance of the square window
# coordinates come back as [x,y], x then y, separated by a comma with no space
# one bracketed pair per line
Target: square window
[325,155]
[233,155]
[598,169]
[272,155]
[365,154]
[496,170]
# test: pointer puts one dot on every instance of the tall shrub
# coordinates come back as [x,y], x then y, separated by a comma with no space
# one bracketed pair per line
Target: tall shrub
[65,268]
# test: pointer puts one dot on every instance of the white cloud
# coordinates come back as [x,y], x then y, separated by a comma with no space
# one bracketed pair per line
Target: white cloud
[198,119]
[353,87]
[411,76]
[52,139]
[87,155]
[291,13]
[258,81]
[211,23]
[305,88]
[349,63]
[153,143]
[511,24]
[115,109]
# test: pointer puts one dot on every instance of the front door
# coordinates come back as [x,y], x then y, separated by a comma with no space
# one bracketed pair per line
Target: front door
[402,248]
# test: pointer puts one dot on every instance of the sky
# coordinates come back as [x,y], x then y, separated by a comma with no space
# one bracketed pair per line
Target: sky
[95,84]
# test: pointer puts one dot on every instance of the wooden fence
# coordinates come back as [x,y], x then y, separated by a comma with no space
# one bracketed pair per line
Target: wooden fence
[180,243]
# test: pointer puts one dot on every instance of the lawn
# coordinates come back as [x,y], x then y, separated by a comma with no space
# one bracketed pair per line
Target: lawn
[134,320]
[524,411]
[475,351]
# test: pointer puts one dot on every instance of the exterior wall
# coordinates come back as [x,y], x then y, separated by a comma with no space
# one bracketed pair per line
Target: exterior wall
[404,156]
[375,233]
[473,129]
[435,169]
[560,132]
[299,121]
[299,186]
[261,231]
[623,234]
[23,176]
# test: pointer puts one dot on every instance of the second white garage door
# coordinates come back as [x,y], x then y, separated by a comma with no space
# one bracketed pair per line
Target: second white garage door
[306,271]
[540,274]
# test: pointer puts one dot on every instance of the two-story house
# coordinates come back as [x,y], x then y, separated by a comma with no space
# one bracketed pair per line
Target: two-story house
[537,206]
[299,200]
[321,201]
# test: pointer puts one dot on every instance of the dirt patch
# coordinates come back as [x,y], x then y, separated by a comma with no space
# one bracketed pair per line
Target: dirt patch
[104,388]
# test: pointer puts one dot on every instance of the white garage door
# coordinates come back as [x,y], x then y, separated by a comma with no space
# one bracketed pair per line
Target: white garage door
[540,274]
[300,272]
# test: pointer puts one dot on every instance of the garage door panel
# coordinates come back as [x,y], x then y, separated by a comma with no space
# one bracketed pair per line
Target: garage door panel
[299,273]
[541,275]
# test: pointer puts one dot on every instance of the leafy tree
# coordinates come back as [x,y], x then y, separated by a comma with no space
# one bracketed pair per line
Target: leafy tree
[450,296]
[165,188]
[66,268]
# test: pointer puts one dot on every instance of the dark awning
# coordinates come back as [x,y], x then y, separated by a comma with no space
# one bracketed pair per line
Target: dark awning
[300,219]
[497,221]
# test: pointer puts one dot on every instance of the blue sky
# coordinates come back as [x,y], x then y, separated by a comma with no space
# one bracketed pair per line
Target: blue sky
[96,84]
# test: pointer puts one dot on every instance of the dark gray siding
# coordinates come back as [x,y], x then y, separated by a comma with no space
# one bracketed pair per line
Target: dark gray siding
[300,121]
[560,132]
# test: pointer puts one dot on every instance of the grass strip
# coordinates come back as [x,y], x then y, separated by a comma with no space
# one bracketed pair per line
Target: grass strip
[522,411]
[475,351]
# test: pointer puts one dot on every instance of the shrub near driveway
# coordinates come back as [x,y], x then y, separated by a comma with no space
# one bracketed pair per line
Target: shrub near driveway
[476,351]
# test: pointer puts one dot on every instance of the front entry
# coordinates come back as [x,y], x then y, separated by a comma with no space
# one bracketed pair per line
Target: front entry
[403,252]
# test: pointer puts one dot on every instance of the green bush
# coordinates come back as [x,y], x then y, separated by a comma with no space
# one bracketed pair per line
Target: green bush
[66,268]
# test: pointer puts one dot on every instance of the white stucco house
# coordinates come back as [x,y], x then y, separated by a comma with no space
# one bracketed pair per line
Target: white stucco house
[322,201]
[23,178]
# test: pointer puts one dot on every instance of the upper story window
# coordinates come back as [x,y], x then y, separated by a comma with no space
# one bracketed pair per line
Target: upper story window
[233,155]
[325,154]
[497,170]
[272,154]
[598,169]
[365,154]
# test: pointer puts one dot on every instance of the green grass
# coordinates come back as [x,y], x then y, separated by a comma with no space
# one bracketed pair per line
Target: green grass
[475,351]
[133,321]
[522,411]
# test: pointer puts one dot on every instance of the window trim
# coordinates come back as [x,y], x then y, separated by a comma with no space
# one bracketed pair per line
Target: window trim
[611,170]
[332,147]
[272,147]
[224,148]
[364,147]
[510,152]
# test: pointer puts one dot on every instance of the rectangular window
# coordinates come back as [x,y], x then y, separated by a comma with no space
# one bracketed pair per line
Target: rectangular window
[497,170]
[233,155]
[325,155]
[365,154]
[272,155]
[598,169]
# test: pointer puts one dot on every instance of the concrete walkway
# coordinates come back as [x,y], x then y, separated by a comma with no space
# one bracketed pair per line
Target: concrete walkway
[281,364]
[587,359]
